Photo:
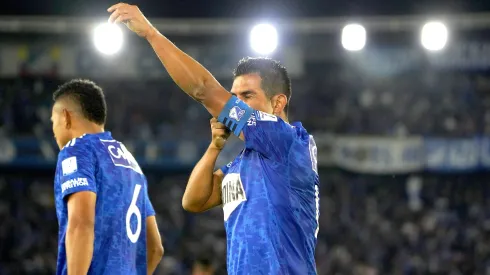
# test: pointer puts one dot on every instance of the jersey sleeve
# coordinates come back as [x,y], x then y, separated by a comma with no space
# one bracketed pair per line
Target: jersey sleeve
[77,171]
[268,134]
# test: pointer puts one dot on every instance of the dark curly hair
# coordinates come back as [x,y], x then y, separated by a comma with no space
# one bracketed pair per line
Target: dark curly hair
[87,95]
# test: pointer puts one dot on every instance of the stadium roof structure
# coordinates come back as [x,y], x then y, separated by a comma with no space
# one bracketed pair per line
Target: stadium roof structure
[62,25]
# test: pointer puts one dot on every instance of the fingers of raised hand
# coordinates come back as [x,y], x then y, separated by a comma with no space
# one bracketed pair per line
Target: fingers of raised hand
[215,124]
[218,126]
[120,12]
[117,6]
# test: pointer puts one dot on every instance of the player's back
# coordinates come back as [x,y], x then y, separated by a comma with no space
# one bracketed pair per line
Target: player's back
[97,163]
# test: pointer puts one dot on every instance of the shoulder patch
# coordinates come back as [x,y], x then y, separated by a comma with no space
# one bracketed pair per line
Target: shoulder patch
[69,166]
[261,116]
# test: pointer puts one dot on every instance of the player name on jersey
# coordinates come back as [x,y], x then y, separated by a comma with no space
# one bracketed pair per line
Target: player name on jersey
[232,193]
[120,155]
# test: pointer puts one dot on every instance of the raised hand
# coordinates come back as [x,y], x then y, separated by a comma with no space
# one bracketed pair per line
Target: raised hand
[132,17]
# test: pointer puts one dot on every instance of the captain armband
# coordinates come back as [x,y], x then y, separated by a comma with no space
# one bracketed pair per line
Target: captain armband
[235,115]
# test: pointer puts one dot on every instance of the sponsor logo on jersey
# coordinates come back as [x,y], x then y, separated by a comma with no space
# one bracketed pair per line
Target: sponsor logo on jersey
[232,193]
[236,113]
[252,121]
[121,156]
[69,166]
[73,183]
[266,117]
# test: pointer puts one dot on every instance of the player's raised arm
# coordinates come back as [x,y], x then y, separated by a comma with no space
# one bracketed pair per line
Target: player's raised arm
[187,73]
[262,84]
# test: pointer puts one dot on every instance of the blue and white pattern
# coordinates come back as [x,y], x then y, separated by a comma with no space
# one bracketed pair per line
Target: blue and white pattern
[236,113]
[99,164]
[270,200]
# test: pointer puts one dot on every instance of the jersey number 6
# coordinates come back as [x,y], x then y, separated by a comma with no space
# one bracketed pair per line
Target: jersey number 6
[133,210]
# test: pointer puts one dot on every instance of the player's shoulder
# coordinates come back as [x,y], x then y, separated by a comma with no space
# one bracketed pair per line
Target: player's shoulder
[262,116]
[76,152]
[278,123]
[78,145]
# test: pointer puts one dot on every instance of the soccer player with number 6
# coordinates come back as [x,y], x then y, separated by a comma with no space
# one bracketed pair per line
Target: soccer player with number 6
[106,220]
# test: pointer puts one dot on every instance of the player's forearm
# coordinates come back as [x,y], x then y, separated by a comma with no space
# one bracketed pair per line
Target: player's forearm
[189,75]
[154,258]
[79,248]
[200,186]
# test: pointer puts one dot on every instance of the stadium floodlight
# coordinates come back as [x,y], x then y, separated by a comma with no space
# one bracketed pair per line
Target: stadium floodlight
[263,38]
[108,38]
[434,36]
[353,37]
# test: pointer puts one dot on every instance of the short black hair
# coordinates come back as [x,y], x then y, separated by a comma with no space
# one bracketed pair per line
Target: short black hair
[87,95]
[275,78]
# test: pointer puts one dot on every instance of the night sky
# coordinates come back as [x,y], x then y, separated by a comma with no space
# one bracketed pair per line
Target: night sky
[246,8]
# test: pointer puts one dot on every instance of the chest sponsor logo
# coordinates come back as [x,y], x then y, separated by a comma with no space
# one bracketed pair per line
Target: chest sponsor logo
[232,193]
[121,156]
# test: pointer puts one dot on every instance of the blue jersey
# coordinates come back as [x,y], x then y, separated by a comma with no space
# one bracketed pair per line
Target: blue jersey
[100,164]
[270,195]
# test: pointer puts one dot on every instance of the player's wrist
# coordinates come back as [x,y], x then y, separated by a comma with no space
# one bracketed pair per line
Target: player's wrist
[151,33]
[214,147]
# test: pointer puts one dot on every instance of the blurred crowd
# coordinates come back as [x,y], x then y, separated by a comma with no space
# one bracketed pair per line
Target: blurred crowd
[407,225]
[424,224]
[336,98]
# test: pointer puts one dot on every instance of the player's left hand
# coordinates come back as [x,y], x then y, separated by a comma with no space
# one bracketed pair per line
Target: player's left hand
[132,17]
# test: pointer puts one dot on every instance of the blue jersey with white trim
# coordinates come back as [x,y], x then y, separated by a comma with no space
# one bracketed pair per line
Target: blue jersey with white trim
[100,164]
[270,196]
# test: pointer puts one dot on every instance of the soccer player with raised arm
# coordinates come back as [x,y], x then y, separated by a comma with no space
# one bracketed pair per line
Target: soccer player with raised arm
[106,221]
[269,193]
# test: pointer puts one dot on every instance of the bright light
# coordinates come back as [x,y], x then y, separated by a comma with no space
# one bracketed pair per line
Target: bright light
[108,38]
[434,36]
[263,38]
[353,37]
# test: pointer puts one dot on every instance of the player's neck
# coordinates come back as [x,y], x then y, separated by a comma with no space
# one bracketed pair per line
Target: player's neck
[88,128]
[284,117]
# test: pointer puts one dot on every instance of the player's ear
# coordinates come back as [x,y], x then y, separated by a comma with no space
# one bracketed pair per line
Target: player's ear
[67,118]
[279,102]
